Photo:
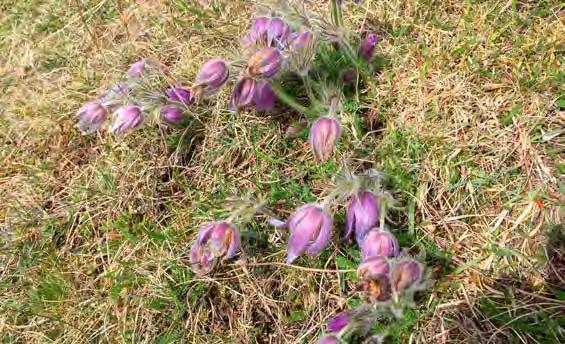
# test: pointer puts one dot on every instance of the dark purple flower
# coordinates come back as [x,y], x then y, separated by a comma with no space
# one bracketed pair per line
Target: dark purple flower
[172,114]
[362,214]
[265,98]
[265,63]
[136,70]
[338,322]
[367,47]
[310,231]
[180,94]
[125,119]
[213,75]
[405,274]
[329,339]
[378,242]
[323,136]
[219,240]
[91,116]
[243,93]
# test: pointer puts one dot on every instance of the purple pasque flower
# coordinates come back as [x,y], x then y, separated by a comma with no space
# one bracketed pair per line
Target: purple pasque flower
[367,47]
[136,69]
[338,322]
[377,242]
[180,94]
[362,214]
[265,63]
[405,274]
[277,32]
[301,40]
[125,119]
[172,114]
[265,97]
[375,268]
[258,30]
[91,117]
[215,241]
[324,134]
[310,231]
[213,75]
[243,93]
[329,339]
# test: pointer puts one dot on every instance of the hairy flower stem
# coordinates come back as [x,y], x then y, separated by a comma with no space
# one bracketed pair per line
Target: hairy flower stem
[336,13]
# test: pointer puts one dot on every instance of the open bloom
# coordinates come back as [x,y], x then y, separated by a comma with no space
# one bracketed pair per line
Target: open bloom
[125,119]
[378,242]
[310,231]
[213,75]
[91,117]
[265,98]
[219,240]
[265,63]
[362,214]
[180,94]
[323,136]
[172,114]
[367,47]
[406,274]
[243,93]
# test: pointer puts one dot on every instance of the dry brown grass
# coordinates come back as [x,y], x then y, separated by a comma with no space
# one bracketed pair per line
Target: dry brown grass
[96,230]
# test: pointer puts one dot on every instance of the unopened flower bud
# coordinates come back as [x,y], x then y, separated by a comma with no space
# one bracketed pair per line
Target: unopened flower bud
[125,119]
[243,93]
[310,231]
[377,242]
[180,94]
[265,98]
[362,214]
[265,63]
[323,136]
[91,117]
[405,274]
[215,241]
[172,114]
[258,30]
[367,47]
[136,70]
[213,75]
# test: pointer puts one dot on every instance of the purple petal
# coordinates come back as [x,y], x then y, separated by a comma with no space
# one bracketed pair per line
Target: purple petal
[265,98]
[324,235]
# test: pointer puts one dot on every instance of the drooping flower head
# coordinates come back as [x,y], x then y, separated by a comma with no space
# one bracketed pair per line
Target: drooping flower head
[374,274]
[258,30]
[277,32]
[310,231]
[265,63]
[265,98]
[244,93]
[362,214]
[213,75]
[91,117]
[324,134]
[367,47]
[378,242]
[268,32]
[126,119]
[405,274]
[215,241]
[172,114]
[180,94]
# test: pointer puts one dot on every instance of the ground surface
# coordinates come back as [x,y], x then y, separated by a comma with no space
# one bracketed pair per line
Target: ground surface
[467,120]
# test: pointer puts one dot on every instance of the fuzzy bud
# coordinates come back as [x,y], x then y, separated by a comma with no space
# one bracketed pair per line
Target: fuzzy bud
[265,63]
[277,32]
[405,274]
[258,30]
[219,240]
[377,242]
[180,94]
[323,137]
[125,119]
[172,114]
[362,214]
[91,117]
[213,75]
[243,93]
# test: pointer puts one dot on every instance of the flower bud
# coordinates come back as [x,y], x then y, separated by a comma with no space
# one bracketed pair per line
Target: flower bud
[338,322]
[265,63]
[126,118]
[219,240]
[406,274]
[367,47]
[310,231]
[277,33]
[258,30]
[329,339]
[377,242]
[362,214]
[136,70]
[374,268]
[172,114]
[243,93]
[301,54]
[91,116]
[323,136]
[180,94]
[213,75]
[265,98]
